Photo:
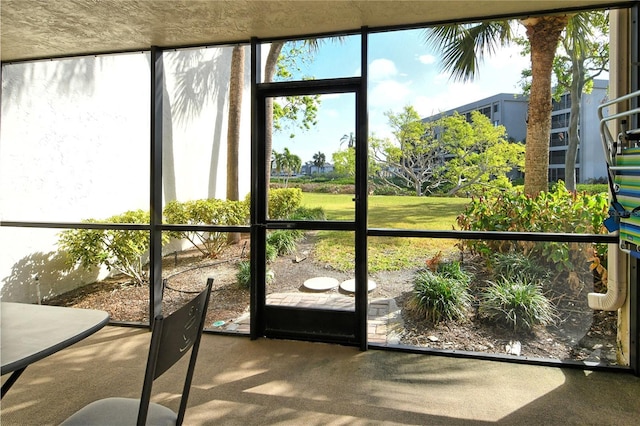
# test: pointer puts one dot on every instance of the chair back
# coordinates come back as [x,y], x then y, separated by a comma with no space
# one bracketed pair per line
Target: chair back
[171,339]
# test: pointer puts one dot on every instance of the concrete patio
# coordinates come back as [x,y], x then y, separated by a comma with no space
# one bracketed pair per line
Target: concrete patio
[243,382]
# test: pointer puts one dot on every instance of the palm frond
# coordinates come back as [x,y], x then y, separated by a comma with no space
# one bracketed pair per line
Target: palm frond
[464,46]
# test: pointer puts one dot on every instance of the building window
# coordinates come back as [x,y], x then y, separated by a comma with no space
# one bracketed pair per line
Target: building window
[556,174]
[558,139]
[557,157]
[563,103]
[559,121]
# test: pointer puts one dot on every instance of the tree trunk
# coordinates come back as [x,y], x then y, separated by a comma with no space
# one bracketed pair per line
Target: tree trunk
[577,86]
[544,35]
[269,73]
[236,84]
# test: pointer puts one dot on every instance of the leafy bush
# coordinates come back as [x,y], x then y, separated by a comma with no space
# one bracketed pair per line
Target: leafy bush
[593,188]
[283,202]
[206,212]
[437,297]
[118,250]
[517,303]
[556,211]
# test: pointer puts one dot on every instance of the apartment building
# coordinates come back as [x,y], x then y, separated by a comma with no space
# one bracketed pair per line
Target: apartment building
[510,111]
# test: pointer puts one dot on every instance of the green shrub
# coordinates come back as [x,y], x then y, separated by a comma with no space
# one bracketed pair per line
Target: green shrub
[387,189]
[118,250]
[308,213]
[206,212]
[556,211]
[593,188]
[518,303]
[283,202]
[436,297]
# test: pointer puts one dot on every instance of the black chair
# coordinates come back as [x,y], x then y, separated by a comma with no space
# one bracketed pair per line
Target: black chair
[172,337]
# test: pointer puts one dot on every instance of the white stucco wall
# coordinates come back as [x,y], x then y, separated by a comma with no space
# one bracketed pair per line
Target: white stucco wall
[74,144]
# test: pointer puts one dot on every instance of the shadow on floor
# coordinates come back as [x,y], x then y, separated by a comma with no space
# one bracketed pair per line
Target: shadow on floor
[243,382]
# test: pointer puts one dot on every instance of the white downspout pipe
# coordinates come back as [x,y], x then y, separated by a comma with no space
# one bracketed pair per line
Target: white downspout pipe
[616,293]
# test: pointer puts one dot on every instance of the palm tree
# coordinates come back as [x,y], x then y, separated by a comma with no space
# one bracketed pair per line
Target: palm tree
[269,73]
[350,139]
[287,163]
[236,84]
[291,164]
[319,160]
[463,47]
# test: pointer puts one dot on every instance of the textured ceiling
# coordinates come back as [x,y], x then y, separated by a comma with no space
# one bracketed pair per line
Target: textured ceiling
[46,28]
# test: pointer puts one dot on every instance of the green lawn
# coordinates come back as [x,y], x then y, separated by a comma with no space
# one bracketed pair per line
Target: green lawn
[393,212]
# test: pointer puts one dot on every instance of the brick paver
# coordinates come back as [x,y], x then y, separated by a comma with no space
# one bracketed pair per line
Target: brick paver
[384,324]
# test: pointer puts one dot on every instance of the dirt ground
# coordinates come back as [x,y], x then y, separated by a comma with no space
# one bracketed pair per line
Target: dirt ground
[580,334]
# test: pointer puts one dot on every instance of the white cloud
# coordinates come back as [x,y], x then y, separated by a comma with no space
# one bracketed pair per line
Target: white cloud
[381,69]
[389,93]
[327,96]
[457,94]
[332,113]
[426,59]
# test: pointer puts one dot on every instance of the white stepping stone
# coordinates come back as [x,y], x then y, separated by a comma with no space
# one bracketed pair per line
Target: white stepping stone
[321,283]
[350,285]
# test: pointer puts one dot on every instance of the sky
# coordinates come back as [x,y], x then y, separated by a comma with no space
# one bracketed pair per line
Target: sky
[403,71]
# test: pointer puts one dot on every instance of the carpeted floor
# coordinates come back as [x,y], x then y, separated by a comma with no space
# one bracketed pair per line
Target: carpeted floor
[265,382]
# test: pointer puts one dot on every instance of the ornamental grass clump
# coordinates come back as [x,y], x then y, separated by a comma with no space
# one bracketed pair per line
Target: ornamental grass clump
[517,264]
[284,241]
[438,297]
[243,276]
[518,303]
[454,271]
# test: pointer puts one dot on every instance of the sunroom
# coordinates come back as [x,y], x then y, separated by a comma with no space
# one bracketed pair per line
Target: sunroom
[124,118]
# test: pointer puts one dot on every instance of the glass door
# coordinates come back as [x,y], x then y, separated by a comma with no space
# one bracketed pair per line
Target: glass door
[297,291]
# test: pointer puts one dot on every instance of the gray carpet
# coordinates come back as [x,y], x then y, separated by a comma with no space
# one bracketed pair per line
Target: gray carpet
[266,382]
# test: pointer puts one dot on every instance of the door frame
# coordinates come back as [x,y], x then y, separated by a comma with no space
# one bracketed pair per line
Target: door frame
[332,326]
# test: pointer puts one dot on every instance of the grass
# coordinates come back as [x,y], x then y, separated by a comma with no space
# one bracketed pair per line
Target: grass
[391,212]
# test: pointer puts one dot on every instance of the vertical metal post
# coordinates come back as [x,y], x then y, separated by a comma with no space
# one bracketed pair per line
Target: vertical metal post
[362,152]
[634,316]
[258,198]
[634,276]
[155,190]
